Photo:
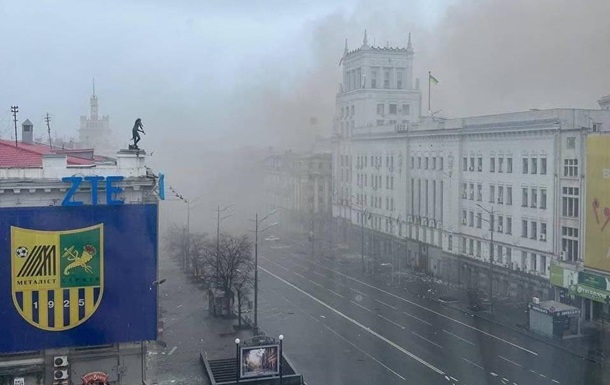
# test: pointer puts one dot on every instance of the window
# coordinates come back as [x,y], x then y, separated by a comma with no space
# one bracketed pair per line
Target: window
[471,164]
[534,168]
[509,165]
[464,246]
[479,164]
[543,198]
[524,197]
[534,198]
[509,195]
[478,252]
[479,192]
[450,242]
[479,220]
[380,122]
[380,109]
[571,142]
[534,260]
[471,218]
[492,165]
[543,166]
[492,193]
[386,79]
[406,109]
[509,225]
[509,256]
[524,166]
[500,224]
[464,190]
[570,167]
[471,195]
[434,162]
[524,260]
[463,217]
[524,228]
[465,164]
[440,163]
[393,109]
[471,246]
[569,243]
[543,231]
[374,79]
[569,202]
[426,163]
[501,194]
[500,164]
[534,230]
[543,264]
[387,182]
[391,183]
[399,79]
[419,162]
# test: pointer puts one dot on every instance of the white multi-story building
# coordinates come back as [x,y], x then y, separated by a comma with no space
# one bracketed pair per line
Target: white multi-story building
[422,189]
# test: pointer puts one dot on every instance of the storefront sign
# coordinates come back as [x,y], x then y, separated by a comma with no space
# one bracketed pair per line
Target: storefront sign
[563,277]
[95,378]
[95,182]
[552,311]
[597,203]
[589,292]
[19,381]
[594,281]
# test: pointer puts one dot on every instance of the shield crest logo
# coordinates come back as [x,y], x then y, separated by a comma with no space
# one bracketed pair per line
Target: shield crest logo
[57,276]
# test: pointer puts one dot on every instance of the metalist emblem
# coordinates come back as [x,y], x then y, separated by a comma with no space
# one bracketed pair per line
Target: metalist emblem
[57,276]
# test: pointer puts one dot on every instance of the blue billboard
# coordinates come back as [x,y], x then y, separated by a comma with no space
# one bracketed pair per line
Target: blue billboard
[77,276]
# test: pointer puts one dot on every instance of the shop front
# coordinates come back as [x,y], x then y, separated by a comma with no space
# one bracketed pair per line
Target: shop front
[554,319]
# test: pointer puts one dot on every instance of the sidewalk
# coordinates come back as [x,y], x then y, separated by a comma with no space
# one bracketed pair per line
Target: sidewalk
[510,315]
[189,330]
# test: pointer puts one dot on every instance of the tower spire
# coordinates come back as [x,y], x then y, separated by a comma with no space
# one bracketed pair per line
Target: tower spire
[365,41]
[94,87]
[93,103]
[345,50]
[409,46]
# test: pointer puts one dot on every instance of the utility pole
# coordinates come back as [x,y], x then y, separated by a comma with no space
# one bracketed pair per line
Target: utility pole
[256,224]
[47,119]
[219,210]
[491,254]
[14,110]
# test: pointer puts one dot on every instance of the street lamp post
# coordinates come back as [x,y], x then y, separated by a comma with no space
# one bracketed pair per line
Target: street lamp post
[256,231]
[281,338]
[491,253]
[219,210]
[363,218]
[237,341]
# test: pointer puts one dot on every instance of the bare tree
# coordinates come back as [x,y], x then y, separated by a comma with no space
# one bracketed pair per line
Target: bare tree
[242,284]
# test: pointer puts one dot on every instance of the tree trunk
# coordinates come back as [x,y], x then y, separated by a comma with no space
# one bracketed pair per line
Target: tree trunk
[239,309]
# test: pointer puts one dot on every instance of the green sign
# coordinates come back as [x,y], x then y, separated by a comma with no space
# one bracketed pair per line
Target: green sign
[556,276]
[589,292]
[594,281]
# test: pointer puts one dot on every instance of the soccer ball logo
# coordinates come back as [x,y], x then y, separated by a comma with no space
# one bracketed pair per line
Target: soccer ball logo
[22,252]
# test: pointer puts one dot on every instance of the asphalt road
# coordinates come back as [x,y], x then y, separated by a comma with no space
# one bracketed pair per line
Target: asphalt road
[344,330]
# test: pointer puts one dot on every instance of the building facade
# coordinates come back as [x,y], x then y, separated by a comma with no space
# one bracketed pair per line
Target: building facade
[31,177]
[446,196]
[299,187]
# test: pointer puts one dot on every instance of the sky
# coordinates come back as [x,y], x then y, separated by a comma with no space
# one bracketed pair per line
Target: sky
[208,77]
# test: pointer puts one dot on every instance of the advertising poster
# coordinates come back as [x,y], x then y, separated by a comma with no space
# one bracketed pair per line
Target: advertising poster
[259,361]
[597,204]
[77,276]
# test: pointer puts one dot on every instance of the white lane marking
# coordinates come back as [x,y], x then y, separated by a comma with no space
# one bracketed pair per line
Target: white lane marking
[454,379]
[419,319]
[340,336]
[472,363]
[541,375]
[367,354]
[335,293]
[172,351]
[321,275]
[395,323]
[459,338]
[315,283]
[555,381]
[507,360]
[425,308]
[387,304]
[299,275]
[424,338]
[384,339]
[357,304]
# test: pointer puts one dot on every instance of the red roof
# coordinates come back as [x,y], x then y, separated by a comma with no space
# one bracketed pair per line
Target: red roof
[30,155]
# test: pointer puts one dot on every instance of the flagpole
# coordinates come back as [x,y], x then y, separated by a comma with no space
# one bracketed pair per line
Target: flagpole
[429,88]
